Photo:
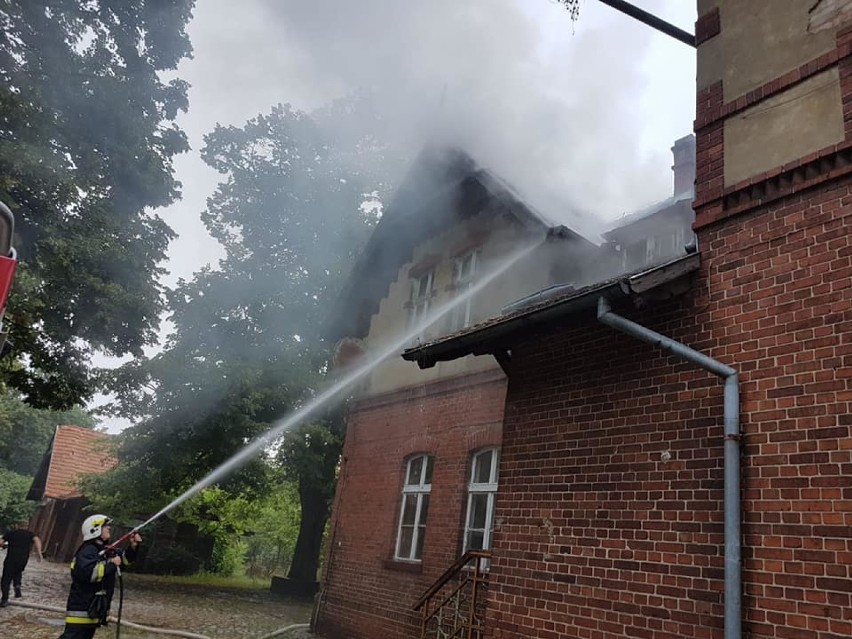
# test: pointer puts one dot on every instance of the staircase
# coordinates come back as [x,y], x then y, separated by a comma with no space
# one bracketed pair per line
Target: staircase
[454,606]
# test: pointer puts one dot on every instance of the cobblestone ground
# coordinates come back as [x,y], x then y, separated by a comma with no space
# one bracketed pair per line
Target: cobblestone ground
[217,613]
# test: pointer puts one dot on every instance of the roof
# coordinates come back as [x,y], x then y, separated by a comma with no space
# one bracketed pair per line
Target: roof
[443,186]
[680,203]
[73,452]
[554,303]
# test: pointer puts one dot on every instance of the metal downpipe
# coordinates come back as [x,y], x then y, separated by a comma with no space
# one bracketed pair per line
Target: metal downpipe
[733,571]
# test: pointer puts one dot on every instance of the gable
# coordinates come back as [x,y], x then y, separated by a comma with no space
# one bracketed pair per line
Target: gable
[443,188]
[72,453]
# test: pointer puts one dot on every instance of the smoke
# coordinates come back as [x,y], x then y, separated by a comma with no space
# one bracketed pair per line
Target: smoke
[560,110]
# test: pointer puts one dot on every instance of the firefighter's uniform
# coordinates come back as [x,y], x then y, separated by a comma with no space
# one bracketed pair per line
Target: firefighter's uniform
[93,576]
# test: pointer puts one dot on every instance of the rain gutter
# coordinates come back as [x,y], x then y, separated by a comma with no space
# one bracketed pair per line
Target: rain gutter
[733,576]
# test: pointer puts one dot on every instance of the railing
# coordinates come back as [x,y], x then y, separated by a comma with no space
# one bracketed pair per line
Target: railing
[454,606]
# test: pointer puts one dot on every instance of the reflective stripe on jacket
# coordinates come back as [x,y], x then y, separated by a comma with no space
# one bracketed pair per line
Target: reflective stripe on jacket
[91,573]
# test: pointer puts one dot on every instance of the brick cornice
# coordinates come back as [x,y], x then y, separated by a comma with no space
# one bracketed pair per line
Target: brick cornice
[437,387]
[827,164]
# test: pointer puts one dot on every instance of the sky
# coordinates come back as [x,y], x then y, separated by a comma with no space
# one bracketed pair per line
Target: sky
[578,116]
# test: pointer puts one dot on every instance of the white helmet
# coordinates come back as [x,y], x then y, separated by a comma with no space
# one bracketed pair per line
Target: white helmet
[93,526]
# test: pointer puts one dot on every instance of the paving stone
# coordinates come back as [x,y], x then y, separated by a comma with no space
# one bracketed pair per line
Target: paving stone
[217,613]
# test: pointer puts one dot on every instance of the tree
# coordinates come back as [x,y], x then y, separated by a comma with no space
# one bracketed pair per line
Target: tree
[572,7]
[26,431]
[309,457]
[14,507]
[297,202]
[86,147]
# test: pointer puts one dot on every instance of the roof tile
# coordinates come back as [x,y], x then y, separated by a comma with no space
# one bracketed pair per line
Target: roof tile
[76,452]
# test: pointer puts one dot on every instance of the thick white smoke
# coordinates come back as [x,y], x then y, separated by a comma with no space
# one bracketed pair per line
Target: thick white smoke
[579,117]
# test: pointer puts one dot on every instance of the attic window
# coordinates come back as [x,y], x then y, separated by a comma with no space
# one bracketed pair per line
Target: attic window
[421,295]
[464,276]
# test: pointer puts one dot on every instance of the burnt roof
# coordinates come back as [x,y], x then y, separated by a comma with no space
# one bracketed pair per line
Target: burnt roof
[443,186]
[548,305]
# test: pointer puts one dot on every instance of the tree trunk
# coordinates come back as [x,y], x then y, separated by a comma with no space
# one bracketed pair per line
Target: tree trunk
[306,555]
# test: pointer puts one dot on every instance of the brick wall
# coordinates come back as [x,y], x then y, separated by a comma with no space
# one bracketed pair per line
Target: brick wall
[367,594]
[609,513]
[782,282]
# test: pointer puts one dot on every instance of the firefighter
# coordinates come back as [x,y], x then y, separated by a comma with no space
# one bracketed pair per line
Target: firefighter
[93,574]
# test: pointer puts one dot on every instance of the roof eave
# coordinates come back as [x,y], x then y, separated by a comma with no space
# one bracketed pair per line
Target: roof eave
[488,339]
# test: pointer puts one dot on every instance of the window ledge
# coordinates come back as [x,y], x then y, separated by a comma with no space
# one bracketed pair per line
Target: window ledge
[403,566]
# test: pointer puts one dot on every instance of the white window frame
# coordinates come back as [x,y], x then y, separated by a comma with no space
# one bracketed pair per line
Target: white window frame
[421,491]
[421,300]
[488,488]
[462,315]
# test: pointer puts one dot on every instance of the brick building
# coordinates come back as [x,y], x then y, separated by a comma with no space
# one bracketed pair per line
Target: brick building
[637,493]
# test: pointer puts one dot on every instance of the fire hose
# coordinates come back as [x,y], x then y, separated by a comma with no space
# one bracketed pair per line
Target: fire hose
[156,630]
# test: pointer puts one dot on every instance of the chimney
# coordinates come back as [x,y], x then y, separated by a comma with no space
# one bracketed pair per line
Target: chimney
[684,164]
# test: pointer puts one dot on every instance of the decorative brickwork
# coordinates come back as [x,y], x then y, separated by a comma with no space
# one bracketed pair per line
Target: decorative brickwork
[707,116]
[714,202]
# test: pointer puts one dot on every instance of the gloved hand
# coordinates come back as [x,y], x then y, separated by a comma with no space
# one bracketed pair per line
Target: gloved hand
[99,608]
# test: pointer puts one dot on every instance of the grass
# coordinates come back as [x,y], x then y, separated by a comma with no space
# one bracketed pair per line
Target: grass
[210,580]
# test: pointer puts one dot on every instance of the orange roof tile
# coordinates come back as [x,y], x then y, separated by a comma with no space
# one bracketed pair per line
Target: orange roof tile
[76,452]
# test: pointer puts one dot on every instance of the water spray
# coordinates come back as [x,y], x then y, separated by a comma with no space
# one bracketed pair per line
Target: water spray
[283,425]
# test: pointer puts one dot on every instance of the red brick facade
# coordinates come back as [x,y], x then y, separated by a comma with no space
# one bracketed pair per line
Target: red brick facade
[366,593]
[609,512]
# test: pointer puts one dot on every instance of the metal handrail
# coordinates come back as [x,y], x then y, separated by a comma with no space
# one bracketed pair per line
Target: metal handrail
[449,573]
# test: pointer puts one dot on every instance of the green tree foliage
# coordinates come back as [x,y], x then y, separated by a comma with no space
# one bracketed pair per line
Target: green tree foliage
[26,431]
[14,506]
[86,147]
[293,210]
[271,540]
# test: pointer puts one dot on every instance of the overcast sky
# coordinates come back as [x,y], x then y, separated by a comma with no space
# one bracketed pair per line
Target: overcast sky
[580,117]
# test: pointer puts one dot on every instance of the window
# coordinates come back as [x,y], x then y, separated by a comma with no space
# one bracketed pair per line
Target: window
[482,490]
[669,244]
[415,508]
[635,255]
[465,273]
[421,294]
[653,249]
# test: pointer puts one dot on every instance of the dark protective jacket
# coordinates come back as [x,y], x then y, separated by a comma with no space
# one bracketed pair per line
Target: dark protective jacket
[92,574]
[18,545]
